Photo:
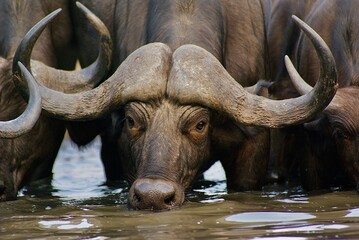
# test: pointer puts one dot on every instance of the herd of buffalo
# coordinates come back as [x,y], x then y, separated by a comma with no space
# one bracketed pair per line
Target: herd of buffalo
[173,86]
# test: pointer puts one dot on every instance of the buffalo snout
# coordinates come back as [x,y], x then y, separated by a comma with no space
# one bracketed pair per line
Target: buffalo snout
[155,194]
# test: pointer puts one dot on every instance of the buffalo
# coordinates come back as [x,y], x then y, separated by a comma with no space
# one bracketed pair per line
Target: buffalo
[326,147]
[30,139]
[175,101]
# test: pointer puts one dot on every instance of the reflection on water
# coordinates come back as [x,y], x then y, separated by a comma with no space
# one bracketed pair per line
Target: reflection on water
[74,175]
[65,224]
[76,205]
[353,213]
[269,217]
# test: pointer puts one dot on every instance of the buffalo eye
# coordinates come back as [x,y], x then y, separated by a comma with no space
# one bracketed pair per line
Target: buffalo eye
[133,123]
[340,133]
[135,126]
[195,124]
[198,131]
[200,126]
[130,122]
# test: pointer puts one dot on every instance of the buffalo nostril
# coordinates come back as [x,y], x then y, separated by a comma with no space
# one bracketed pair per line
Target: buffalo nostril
[136,199]
[170,201]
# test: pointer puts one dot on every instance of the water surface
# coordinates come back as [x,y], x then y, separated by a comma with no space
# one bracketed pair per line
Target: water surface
[77,205]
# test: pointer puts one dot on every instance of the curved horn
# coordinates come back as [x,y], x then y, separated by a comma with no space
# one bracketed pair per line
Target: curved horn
[303,88]
[142,76]
[26,121]
[298,82]
[65,81]
[198,77]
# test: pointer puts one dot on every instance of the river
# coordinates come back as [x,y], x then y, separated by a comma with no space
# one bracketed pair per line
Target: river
[76,204]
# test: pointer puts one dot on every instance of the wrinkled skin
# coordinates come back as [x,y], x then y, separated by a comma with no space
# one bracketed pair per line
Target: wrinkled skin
[326,148]
[21,158]
[170,143]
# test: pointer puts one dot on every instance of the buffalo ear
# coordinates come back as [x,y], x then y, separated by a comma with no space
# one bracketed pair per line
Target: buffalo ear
[261,88]
[225,133]
[318,124]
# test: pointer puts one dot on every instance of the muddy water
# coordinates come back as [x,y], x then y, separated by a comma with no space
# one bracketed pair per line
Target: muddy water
[76,205]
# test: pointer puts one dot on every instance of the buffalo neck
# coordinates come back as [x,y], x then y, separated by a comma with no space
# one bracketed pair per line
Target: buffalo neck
[187,22]
[174,23]
[233,31]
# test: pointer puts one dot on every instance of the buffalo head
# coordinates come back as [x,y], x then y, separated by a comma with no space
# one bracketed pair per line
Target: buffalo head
[339,128]
[169,106]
